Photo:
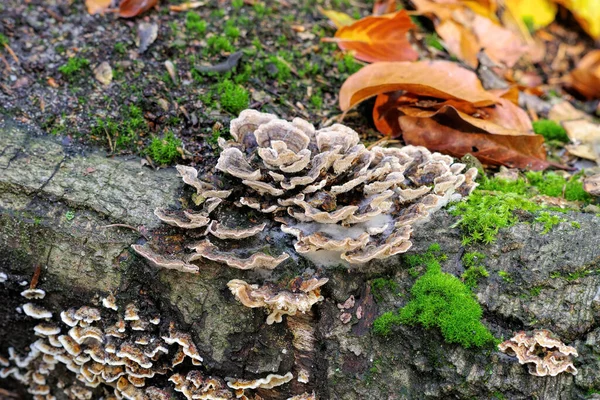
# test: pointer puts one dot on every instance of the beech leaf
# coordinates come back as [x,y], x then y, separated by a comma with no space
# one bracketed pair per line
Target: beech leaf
[338,18]
[378,38]
[585,78]
[439,79]
[97,6]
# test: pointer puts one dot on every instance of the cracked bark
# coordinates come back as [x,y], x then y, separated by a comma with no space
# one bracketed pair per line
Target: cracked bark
[40,180]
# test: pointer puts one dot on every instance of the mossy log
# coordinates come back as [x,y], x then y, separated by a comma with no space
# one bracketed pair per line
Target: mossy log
[73,214]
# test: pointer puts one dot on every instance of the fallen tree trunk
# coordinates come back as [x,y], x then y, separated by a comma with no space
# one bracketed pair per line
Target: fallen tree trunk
[73,214]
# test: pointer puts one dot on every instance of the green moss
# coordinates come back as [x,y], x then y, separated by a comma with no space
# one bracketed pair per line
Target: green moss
[279,69]
[575,224]
[219,44]
[164,150]
[482,215]
[550,130]
[549,221]
[348,64]
[316,101]
[233,98]
[231,31]
[123,133]
[261,10]
[440,300]
[379,285]
[194,23]
[73,66]
[237,4]
[548,184]
[385,322]
[3,40]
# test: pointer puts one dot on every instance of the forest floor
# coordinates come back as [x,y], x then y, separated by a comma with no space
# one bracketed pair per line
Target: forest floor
[283,68]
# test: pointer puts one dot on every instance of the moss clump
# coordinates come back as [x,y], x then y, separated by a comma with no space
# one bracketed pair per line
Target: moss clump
[553,184]
[548,184]
[482,215]
[348,64]
[474,269]
[3,40]
[73,66]
[194,23]
[441,300]
[122,134]
[164,150]
[234,98]
[550,130]
[219,44]
[277,68]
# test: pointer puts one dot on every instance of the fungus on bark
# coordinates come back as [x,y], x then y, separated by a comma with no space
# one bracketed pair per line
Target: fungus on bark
[279,301]
[543,353]
[341,201]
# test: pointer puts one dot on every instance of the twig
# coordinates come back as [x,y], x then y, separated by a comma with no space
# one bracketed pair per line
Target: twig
[12,53]
[109,141]
[35,277]
[382,141]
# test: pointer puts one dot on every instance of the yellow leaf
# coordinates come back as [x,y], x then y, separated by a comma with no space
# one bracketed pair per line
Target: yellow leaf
[587,13]
[338,18]
[540,12]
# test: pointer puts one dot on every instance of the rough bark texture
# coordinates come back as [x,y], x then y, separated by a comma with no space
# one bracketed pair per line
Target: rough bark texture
[56,203]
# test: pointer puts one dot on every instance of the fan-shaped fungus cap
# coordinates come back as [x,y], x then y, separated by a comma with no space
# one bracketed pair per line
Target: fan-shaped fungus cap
[269,382]
[544,354]
[278,301]
[35,311]
[31,294]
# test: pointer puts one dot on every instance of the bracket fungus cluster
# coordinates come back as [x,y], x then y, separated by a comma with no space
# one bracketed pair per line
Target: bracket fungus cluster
[99,346]
[300,297]
[339,199]
[542,352]
[123,354]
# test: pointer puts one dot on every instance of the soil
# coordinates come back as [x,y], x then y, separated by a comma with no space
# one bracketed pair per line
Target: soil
[284,67]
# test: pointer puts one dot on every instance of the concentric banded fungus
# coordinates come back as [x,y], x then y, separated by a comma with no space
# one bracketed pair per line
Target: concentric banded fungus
[269,382]
[544,354]
[279,301]
[100,352]
[342,201]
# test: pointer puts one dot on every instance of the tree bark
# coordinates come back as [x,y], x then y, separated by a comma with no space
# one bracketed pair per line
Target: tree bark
[74,213]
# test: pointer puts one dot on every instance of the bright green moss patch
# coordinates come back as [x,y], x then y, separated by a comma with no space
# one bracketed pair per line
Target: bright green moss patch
[194,23]
[233,98]
[482,215]
[164,150]
[550,130]
[440,300]
[219,44]
[548,184]
[3,40]
[73,66]
[122,134]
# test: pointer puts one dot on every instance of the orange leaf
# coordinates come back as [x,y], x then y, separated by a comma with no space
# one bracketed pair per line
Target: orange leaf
[510,116]
[439,79]
[526,151]
[97,6]
[384,7]
[132,8]
[380,38]
[585,78]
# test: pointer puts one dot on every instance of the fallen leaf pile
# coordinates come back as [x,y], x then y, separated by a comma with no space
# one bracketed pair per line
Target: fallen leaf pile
[442,106]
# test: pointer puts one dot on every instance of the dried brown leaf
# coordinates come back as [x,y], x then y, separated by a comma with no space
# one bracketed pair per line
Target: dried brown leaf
[585,78]
[438,79]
